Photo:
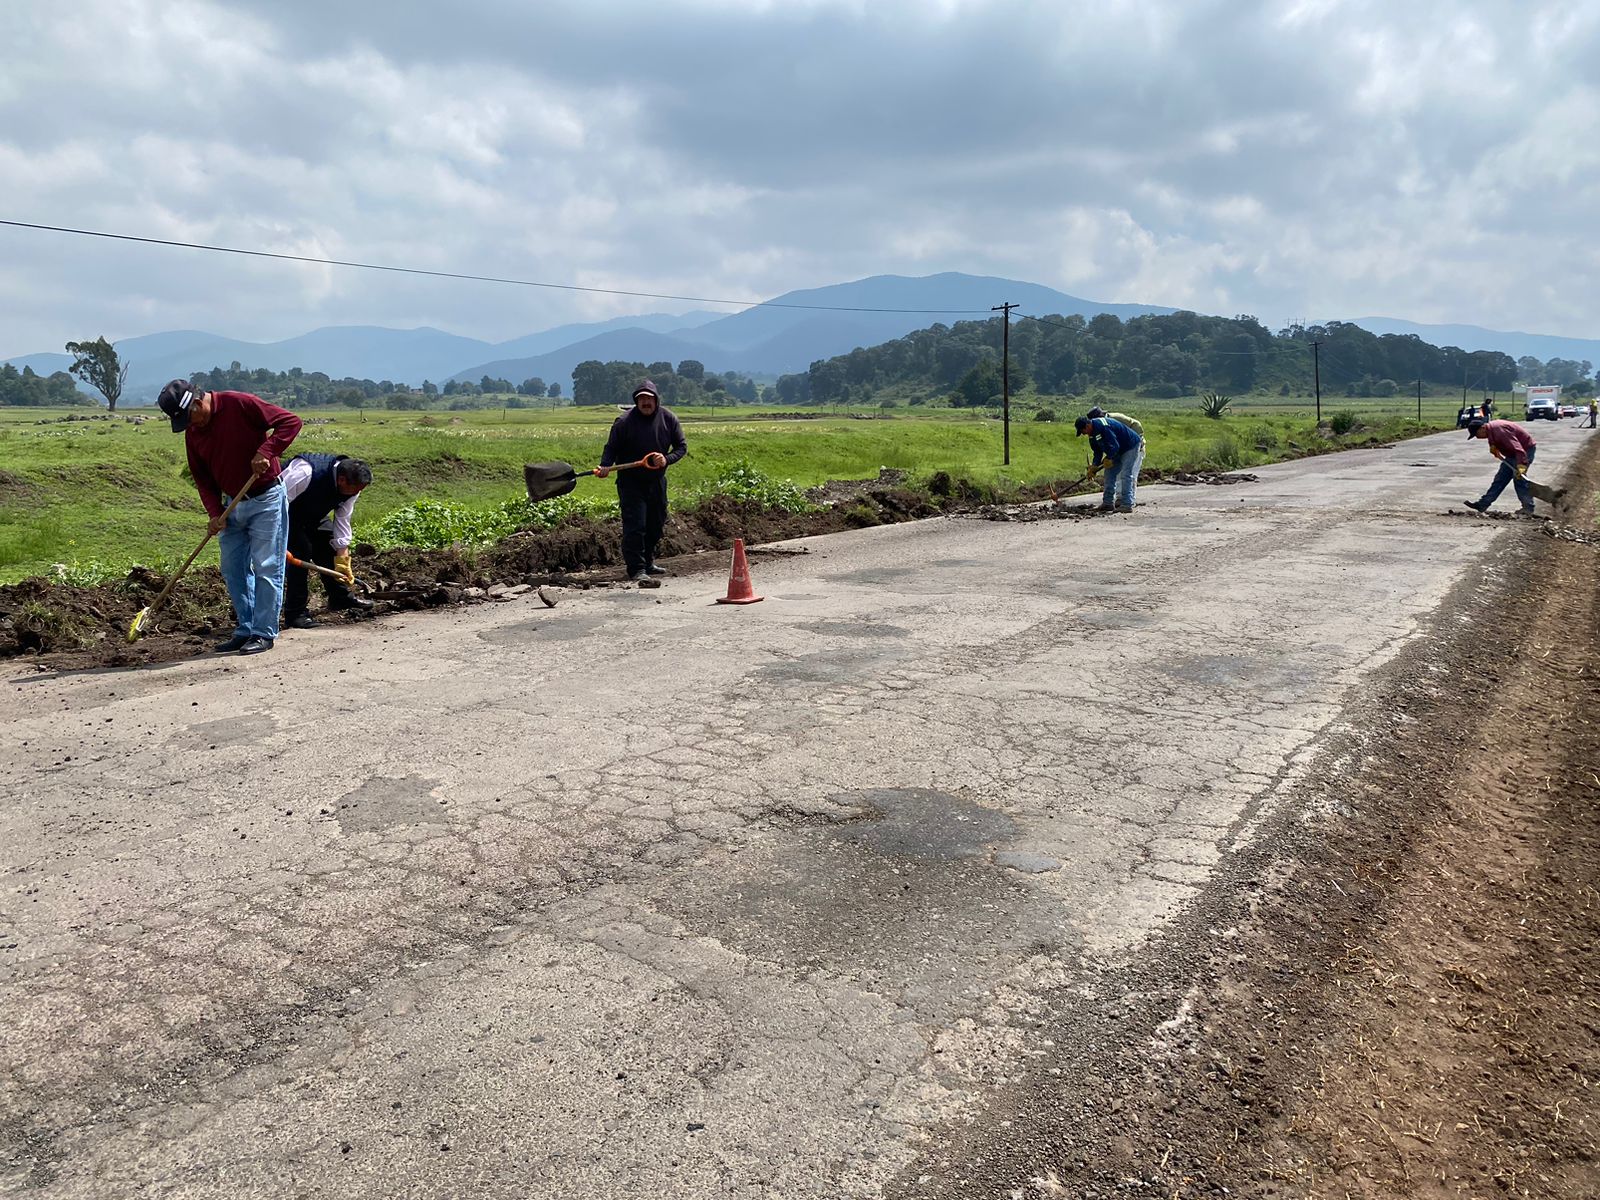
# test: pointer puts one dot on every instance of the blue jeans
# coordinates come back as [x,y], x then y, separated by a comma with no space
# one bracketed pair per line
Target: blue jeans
[1124,477]
[1508,474]
[253,543]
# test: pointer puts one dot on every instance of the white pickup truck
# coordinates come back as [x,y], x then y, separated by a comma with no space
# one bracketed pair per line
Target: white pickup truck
[1544,403]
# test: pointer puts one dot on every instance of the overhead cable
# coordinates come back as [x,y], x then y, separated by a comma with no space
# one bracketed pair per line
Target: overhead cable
[562,287]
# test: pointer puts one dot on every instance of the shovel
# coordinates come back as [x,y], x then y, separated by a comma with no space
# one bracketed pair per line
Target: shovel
[142,617]
[548,480]
[1543,491]
[331,574]
[1057,497]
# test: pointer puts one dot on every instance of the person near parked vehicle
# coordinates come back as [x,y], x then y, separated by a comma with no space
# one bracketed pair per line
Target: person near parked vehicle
[1120,450]
[322,491]
[234,440]
[1514,447]
[1594,412]
[1106,497]
[650,433]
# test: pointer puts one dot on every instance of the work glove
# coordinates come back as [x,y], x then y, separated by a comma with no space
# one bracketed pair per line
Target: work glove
[1522,470]
[341,564]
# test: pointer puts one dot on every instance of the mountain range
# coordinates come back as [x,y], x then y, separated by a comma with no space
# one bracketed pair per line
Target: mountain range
[784,335]
[1542,346]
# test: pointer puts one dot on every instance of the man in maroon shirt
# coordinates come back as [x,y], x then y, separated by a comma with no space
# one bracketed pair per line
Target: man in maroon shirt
[1513,446]
[234,438]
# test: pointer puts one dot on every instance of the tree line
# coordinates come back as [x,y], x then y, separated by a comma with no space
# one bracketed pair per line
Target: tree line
[1161,356]
[29,389]
[596,382]
[298,388]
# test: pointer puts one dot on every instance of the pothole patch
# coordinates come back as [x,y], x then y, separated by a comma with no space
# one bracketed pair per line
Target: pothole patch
[923,823]
[382,803]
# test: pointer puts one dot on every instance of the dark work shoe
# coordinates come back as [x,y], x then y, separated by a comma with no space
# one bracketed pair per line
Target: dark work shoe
[359,603]
[229,646]
[1125,508]
[256,645]
[303,621]
[653,569]
[1476,505]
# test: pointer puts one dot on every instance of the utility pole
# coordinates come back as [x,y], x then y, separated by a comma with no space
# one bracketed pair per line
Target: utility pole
[1316,371]
[1419,402]
[1005,375]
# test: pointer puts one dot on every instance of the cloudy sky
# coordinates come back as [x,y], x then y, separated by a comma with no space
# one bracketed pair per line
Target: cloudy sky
[1437,160]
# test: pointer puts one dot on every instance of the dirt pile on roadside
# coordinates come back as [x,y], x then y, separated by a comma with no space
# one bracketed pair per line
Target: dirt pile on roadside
[39,616]
[1571,533]
[1026,513]
[836,491]
[84,627]
[1187,478]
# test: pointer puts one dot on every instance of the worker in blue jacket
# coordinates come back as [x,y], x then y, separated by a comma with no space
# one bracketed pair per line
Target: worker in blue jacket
[1120,451]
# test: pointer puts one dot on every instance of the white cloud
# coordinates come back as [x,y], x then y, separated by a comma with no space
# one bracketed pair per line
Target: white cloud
[1322,158]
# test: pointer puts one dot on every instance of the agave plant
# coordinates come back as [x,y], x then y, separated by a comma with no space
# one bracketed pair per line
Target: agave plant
[1214,405]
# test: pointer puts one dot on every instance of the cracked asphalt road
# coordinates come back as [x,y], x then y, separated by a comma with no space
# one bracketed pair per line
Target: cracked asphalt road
[643,896]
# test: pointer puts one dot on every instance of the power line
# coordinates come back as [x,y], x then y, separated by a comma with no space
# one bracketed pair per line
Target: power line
[562,287]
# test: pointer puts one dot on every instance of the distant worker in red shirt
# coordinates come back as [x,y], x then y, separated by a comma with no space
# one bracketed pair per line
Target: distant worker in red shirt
[1514,447]
[234,441]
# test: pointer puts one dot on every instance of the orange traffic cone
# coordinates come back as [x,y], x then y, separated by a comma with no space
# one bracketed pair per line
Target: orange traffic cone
[740,590]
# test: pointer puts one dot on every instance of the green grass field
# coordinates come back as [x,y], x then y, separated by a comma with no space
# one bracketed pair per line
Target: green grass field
[111,493]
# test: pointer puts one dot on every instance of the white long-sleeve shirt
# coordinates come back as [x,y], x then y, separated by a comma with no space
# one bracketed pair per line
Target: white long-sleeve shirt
[296,475]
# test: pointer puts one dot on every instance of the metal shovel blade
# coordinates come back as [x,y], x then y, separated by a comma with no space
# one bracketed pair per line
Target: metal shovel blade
[1543,491]
[546,481]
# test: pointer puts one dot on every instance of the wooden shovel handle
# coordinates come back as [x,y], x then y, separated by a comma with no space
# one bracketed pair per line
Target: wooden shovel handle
[173,582]
[618,467]
[311,566]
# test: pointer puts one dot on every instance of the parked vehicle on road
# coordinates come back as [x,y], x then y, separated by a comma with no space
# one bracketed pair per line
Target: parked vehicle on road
[1469,412]
[1544,403]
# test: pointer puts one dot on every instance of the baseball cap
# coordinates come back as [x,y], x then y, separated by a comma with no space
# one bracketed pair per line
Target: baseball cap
[645,387]
[1474,425]
[176,400]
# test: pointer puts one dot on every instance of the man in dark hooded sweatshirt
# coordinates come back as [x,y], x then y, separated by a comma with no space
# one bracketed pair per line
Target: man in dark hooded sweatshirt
[649,432]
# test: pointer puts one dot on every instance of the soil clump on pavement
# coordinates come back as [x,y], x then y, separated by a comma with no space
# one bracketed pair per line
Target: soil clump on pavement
[1389,990]
[73,627]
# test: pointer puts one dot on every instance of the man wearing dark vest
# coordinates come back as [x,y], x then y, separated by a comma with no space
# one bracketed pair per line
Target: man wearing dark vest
[322,491]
